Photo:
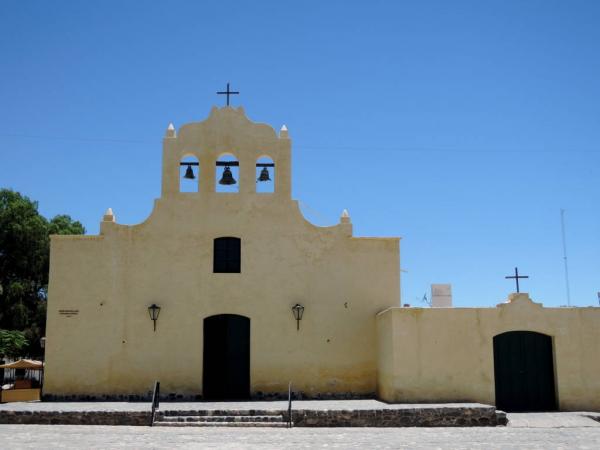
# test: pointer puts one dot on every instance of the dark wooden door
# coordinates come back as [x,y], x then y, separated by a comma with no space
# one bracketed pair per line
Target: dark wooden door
[226,360]
[524,371]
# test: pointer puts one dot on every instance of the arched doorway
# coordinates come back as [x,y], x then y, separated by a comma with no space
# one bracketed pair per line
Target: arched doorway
[524,371]
[226,358]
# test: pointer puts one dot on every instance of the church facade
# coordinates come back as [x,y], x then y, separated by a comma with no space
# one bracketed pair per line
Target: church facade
[234,295]
[109,345]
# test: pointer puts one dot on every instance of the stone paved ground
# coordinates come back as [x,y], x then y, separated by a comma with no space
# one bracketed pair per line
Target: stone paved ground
[102,437]
[553,420]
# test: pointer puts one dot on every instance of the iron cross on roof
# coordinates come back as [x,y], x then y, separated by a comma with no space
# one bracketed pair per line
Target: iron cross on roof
[228,93]
[517,276]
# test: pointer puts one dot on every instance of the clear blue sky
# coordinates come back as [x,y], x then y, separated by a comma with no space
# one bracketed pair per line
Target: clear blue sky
[462,126]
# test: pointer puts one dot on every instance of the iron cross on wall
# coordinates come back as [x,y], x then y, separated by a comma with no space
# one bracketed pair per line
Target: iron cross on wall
[517,276]
[228,93]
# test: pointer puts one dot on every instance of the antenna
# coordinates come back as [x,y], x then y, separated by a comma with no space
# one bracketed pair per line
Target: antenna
[564,243]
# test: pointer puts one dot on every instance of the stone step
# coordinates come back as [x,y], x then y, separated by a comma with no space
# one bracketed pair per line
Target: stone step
[274,419]
[220,424]
[220,412]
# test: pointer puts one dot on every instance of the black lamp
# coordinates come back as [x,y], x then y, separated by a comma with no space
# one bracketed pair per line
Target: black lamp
[154,311]
[298,311]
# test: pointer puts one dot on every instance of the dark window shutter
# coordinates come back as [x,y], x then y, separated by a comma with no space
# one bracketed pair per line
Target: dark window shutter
[227,257]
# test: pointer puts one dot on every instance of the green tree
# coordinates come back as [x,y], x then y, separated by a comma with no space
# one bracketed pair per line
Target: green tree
[63,224]
[24,258]
[11,343]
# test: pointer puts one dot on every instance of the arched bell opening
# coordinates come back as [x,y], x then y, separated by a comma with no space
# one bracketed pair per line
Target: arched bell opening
[265,175]
[227,174]
[189,174]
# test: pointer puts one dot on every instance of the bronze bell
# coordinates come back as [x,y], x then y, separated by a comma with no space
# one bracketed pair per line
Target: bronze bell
[189,173]
[227,178]
[264,175]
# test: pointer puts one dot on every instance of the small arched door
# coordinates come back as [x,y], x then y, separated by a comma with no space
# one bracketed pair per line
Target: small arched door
[226,358]
[524,371]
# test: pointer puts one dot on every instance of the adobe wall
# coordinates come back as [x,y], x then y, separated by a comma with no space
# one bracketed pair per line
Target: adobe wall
[108,347]
[446,354]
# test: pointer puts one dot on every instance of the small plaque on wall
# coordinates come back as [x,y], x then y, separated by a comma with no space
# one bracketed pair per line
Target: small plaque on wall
[68,312]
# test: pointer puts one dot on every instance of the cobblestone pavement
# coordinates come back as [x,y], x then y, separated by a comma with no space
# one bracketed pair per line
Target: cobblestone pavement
[103,437]
[553,420]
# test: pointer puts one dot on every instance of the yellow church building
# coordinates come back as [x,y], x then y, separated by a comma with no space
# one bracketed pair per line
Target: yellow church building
[227,292]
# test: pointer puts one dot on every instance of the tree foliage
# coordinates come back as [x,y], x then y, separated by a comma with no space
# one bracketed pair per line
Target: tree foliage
[24,259]
[11,343]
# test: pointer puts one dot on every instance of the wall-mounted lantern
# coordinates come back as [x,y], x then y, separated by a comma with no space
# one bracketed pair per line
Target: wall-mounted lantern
[298,310]
[154,311]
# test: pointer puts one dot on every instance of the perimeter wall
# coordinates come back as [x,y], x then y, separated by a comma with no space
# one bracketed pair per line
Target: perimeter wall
[446,354]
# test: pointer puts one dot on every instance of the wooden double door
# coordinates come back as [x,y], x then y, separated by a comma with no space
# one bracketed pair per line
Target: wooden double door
[524,371]
[226,359]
